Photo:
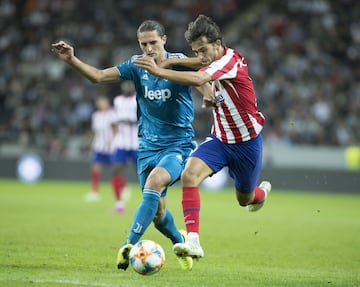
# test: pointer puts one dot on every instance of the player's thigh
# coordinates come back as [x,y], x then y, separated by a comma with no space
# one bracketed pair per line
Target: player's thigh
[196,170]
[161,169]
[245,164]
[145,164]
[173,162]
[155,172]
[158,179]
[212,152]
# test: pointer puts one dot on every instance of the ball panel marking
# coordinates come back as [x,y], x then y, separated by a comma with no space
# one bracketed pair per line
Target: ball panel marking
[147,257]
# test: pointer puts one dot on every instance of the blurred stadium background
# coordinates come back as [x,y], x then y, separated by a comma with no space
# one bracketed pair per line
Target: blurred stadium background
[304,58]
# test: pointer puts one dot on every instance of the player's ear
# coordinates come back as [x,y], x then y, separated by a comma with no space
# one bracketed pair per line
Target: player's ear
[218,42]
[164,39]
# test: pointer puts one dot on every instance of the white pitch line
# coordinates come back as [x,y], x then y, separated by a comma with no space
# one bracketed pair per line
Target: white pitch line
[62,281]
[72,282]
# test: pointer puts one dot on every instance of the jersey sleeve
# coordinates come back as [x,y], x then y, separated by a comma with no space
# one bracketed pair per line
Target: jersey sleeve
[127,69]
[232,65]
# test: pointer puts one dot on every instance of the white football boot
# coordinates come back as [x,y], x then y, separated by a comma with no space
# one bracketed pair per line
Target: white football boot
[189,248]
[265,186]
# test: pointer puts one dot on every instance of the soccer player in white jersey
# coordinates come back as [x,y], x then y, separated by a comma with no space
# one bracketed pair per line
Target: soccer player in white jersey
[125,142]
[101,125]
[165,115]
[235,140]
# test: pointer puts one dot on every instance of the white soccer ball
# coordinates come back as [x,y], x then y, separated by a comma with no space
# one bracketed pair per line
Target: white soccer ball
[147,257]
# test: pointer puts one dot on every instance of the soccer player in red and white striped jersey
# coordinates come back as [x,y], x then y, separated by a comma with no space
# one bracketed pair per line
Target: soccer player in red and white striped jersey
[235,140]
[101,125]
[125,143]
[115,141]
[126,109]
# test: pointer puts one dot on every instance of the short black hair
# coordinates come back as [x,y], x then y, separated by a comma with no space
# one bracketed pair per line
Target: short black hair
[151,25]
[203,26]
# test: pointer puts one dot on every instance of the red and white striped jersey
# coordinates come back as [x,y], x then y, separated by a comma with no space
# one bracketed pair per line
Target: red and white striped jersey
[103,134]
[126,115]
[236,117]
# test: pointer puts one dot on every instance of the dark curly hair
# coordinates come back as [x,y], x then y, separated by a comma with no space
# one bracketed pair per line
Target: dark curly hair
[203,26]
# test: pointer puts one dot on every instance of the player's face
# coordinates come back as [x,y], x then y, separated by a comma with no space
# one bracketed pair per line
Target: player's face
[102,103]
[207,52]
[152,44]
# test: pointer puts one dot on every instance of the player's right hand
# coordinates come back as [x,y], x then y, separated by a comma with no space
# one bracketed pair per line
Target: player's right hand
[63,50]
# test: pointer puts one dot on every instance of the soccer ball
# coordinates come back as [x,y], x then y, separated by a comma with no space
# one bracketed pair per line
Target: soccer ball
[147,257]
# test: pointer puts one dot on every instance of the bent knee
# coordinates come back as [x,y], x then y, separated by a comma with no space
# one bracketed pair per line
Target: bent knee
[190,178]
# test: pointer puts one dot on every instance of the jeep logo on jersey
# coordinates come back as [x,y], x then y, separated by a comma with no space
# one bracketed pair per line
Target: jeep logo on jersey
[162,94]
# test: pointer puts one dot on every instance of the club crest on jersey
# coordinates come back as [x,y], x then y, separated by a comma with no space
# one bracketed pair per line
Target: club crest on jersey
[159,94]
[219,97]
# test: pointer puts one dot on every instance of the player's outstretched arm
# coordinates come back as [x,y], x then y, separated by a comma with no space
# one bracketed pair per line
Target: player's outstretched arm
[66,53]
[189,62]
[196,78]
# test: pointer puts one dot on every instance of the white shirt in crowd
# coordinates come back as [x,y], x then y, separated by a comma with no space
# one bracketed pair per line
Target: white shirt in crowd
[103,134]
[126,115]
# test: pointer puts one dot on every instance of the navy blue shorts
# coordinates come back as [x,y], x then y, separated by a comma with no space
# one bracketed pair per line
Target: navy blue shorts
[121,156]
[101,158]
[243,160]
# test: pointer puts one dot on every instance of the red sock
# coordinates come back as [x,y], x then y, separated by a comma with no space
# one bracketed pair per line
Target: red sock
[191,208]
[259,195]
[95,180]
[118,183]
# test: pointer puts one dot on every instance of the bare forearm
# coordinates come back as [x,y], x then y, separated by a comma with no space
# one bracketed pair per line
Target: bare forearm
[84,69]
[91,73]
[196,78]
[66,53]
[185,78]
[192,62]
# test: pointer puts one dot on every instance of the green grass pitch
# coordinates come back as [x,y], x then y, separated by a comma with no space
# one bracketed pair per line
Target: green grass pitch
[50,237]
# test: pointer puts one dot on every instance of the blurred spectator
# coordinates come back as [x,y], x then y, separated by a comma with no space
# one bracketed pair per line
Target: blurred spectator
[304,57]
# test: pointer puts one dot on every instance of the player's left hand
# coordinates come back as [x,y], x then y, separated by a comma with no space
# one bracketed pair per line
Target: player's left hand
[208,103]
